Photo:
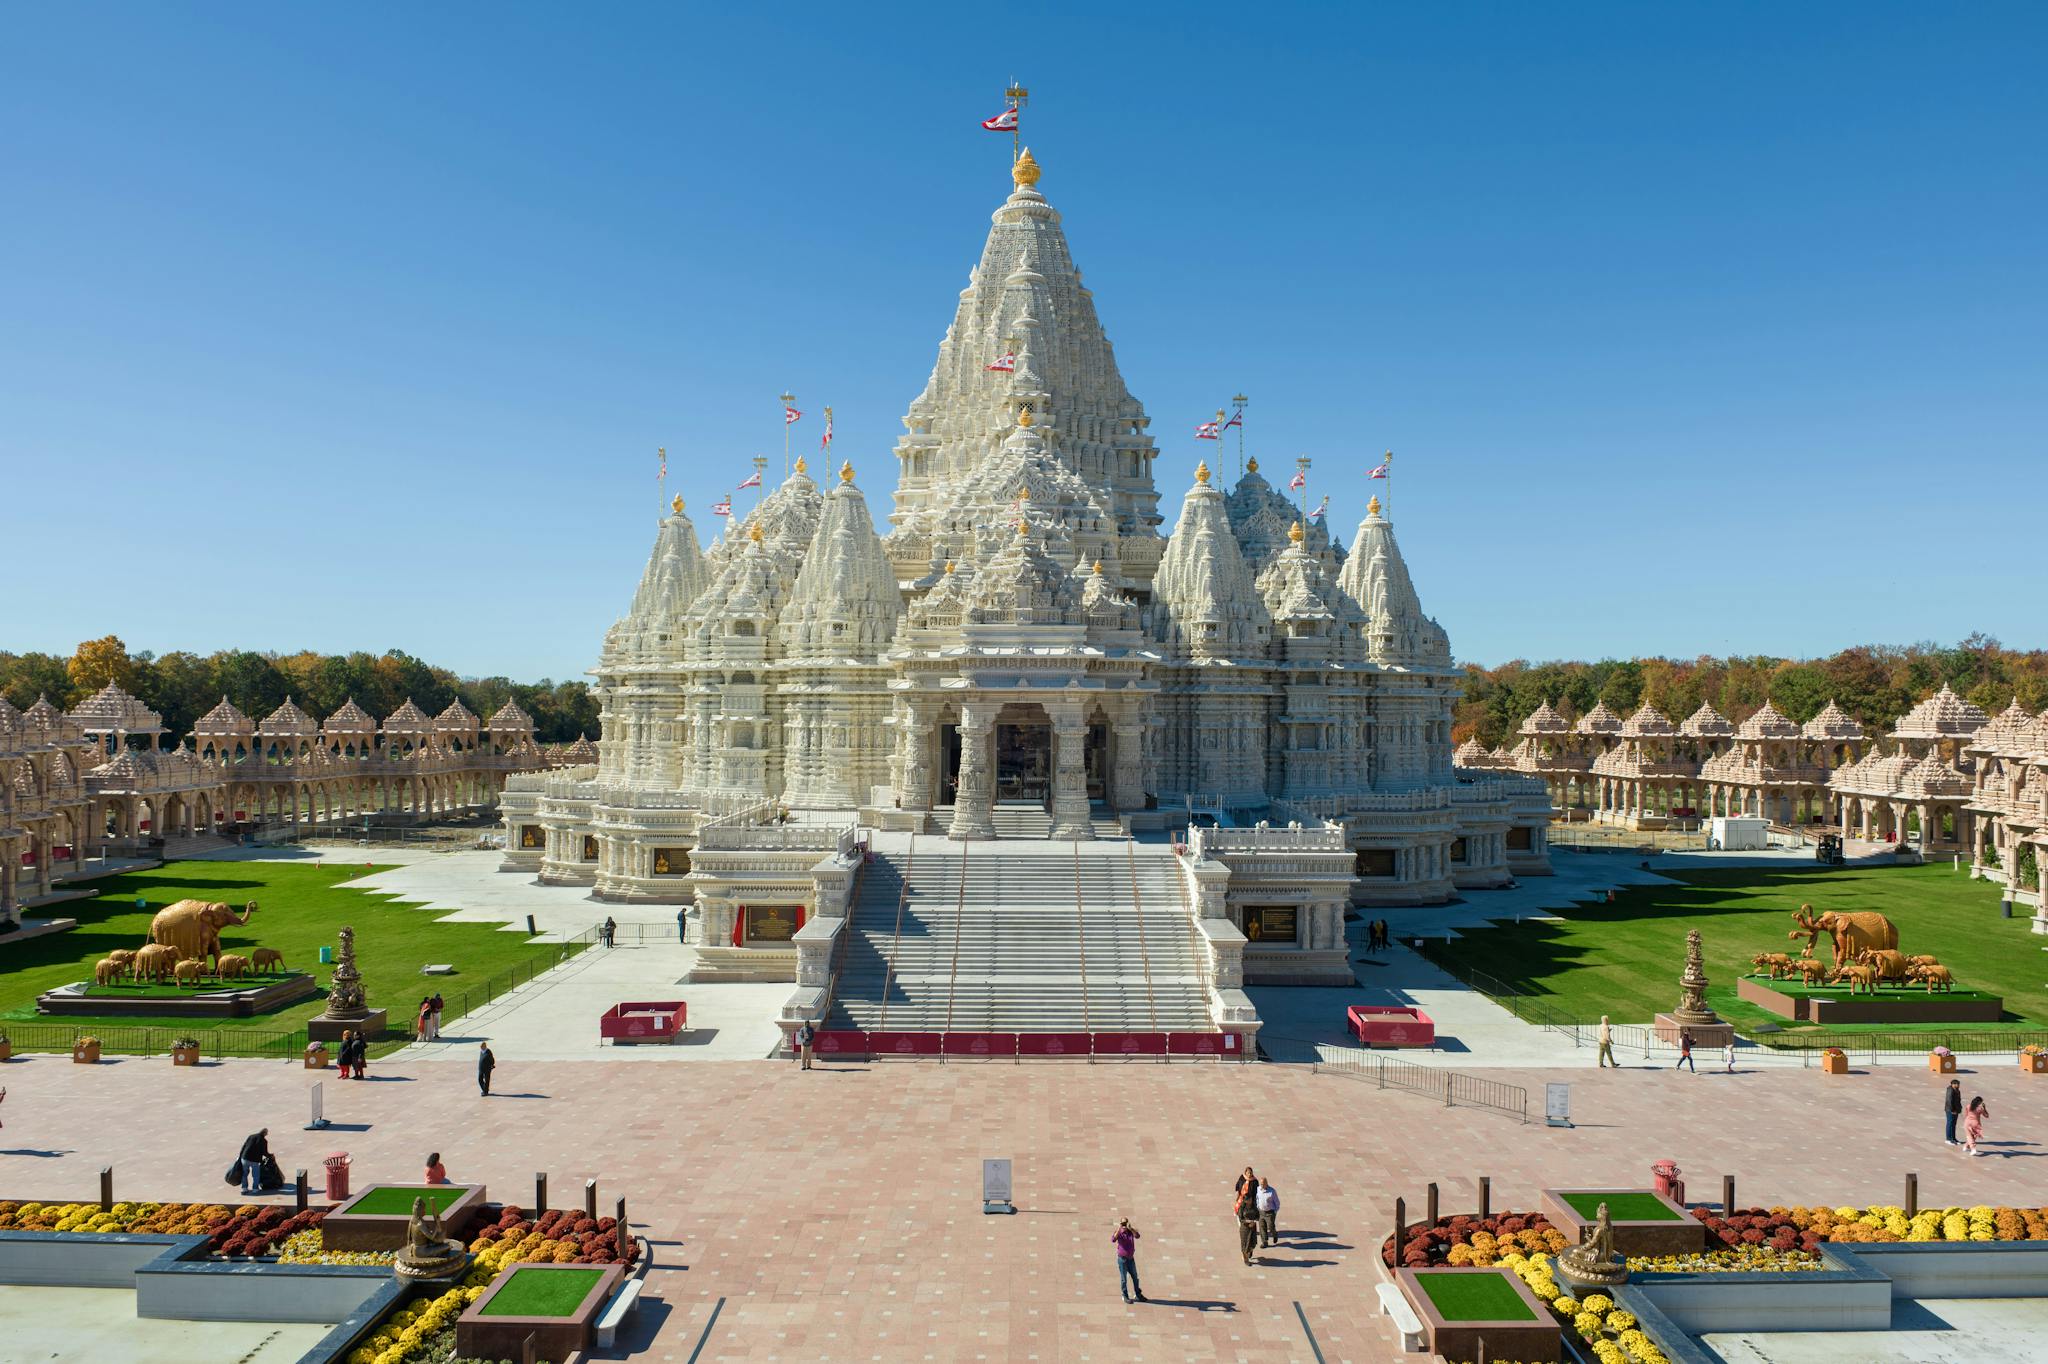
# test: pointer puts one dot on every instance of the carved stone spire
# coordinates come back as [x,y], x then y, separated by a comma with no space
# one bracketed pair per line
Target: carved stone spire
[845,602]
[1377,578]
[1208,606]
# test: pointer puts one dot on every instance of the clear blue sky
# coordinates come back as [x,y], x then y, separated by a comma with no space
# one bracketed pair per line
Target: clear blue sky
[1696,328]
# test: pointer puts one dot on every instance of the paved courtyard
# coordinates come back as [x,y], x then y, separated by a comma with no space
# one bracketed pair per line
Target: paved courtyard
[835,1215]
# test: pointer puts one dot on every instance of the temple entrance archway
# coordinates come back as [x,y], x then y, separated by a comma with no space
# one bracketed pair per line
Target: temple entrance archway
[1023,760]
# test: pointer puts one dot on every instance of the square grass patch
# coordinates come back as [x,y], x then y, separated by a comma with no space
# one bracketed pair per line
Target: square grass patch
[536,1292]
[1621,1207]
[395,1200]
[1473,1297]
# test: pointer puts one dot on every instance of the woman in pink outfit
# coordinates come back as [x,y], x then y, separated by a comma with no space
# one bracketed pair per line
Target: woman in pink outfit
[1973,1124]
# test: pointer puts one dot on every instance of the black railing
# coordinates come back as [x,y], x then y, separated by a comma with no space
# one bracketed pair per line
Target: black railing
[283,1044]
[1452,1088]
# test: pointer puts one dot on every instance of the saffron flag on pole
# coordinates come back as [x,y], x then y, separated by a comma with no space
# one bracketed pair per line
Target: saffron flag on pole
[1005,122]
[790,416]
[1381,472]
[723,506]
[1006,363]
[1206,431]
[1299,481]
[753,480]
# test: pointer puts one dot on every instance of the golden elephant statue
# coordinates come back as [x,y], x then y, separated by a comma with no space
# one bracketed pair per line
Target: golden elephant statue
[108,971]
[231,966]
[267,959]
[189,971]
[192,927]
[1852,933]
[155,962]
[122,958]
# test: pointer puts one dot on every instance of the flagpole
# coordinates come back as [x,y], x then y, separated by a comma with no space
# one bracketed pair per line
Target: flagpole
[1018,96]
[787,400]
[760,464]
[1390,485]
[1301,463]
[661,479]
[1240,400]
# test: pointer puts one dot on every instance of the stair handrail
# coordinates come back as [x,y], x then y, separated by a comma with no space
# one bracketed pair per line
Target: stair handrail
[896,941]
[860,877]
[1081,928]
[1144,955]
[953,976]
[1204,966]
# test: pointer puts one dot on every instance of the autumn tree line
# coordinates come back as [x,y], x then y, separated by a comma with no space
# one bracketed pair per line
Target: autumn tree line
[184,686]
[1874,683]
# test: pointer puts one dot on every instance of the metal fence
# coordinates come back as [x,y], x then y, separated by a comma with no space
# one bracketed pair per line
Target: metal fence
[1874,1045]
[282,1044]
[1452,1088]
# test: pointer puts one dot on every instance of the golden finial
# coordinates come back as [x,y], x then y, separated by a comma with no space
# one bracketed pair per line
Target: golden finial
[1098,568]
[754,533]
[1251,466]
[1025,171]
[949,565]
[1023,529]
[1202,473]
[1372,508]
[846,472]
[1024,416]
[801,467]
[676,505]
[1296,533]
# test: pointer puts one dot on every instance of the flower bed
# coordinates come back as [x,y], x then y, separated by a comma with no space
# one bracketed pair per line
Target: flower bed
[422,1332]
[234,1232]
[563,1236]
[306,1248]
[1611,1331]
[1479,1241]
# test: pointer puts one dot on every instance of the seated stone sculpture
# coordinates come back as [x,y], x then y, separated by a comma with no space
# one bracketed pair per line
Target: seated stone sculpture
[1593,1261]
[428,1253]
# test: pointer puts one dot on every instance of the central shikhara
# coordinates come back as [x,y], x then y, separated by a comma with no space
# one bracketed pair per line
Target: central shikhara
[1023,649]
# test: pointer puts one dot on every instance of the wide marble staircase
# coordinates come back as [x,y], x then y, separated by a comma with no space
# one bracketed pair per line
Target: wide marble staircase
[1021,936]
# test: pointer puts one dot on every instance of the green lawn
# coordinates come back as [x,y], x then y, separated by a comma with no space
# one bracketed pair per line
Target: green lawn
[1623,959]
[300,909]
[534,1292]
[395,1200]
[1621,1207]
[1474,1296]
[1794,988]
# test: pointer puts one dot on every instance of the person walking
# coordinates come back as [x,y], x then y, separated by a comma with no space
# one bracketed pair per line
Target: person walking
[611,929]
[423,1019]
[434,1007]
[1247,1211]
[1125,1239]
[1606,1036]
[1973,1125]
[1728,1054]
[362,1053]
[1269,1211]
[804,1038]
[485,1064]
[437,1173]
[255,1147]
[1246,1178]
[682,929]
[1952,1108]
[1685,1051]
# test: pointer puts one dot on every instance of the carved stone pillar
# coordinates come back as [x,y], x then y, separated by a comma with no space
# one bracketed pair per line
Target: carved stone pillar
[917,766]
[1127,778]
[1069,777]
[973,805]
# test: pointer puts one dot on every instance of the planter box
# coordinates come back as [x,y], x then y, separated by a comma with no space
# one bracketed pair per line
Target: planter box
[348,1229]
[184,1056]
[1670,1231]
[2035,1063]
[316,1058]
[1943,1064]
[1835,1064]
[87,1054]
[484,1333]
[1529,1335]
[659,1021]
[6,1051]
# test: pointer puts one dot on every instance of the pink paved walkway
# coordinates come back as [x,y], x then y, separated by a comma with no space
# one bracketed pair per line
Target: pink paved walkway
[837,1213]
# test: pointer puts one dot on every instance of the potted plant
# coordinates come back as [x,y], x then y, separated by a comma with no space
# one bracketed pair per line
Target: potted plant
[85,1050]
[2033,1060]
[1941,1059]
[185,1052]
[316,1056]
[1834,1061]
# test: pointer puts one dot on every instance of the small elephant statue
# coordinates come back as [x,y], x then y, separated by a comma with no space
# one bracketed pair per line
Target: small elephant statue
[1811,971]
[233,966]
[1936,977]
[154,962]
[189,971]
[267,959]
[108,971]
[122,958]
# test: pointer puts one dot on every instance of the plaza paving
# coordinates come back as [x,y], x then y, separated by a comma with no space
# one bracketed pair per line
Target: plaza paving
[836,1214]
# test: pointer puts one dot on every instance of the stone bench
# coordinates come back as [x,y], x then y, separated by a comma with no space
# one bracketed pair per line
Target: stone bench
[1395,1305]
[616,1311]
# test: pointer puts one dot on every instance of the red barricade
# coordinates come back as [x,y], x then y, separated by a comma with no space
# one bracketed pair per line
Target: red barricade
[904,1043]
[980,1043]
[1130,1044]
[843,1042]
[1228,1045]
[1053,1043]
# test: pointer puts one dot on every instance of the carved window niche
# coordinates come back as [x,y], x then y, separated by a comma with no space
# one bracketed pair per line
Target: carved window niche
[1521,838]
[1375,862]
[1457,850]
[530,835]
[671,861]
[590,847]
[1271,923]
